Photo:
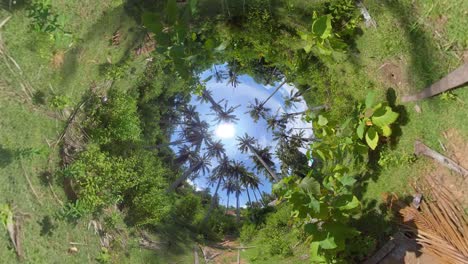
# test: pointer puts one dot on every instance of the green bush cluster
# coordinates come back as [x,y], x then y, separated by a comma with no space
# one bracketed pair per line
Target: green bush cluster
[114,119]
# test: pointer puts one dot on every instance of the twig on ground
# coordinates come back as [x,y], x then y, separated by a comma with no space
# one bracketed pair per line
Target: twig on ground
[4,21]
[421,149]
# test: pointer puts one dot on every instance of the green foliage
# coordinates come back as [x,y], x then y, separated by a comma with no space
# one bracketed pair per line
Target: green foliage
[277,235]
[104,257]
[186,207]
[115,71]
[6,214]
[42,17]
[325,200]
[374,120]
[101,178]
[72,211]
[248,232]
[60,102]
[116,120]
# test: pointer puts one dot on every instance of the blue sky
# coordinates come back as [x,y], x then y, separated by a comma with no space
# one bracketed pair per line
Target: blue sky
[242,95]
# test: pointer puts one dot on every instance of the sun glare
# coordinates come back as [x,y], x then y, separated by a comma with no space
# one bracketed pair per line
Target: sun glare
[225,130]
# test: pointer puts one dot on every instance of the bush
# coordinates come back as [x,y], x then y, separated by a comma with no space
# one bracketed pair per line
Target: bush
[248,232]
[116,120]
[277,237]
[101,179]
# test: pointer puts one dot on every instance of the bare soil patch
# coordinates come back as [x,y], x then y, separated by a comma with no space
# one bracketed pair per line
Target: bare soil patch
[392,73]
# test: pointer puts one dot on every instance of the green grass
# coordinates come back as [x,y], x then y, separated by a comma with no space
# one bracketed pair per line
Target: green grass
[27,127]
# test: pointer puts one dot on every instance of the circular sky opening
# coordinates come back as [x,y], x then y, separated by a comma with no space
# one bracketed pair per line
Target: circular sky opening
[236,108]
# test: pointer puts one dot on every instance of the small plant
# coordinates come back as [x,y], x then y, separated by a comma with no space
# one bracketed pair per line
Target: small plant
[112,220]
[448,96]
[115,71]
[321,38]
[60,102]
[42,17]
[72,211]
[6,214]
[374,121]
[104,256]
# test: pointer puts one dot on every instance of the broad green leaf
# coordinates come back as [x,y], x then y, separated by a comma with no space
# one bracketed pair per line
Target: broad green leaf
[384,116]
[171,11]
[315,257]
[314,205]
[322,27]
[328,243]
[322,121]
[310,185]
[348,180]
[386,131]
[372,138]
[350,205]
[360,129]
[321,154]
[370,99]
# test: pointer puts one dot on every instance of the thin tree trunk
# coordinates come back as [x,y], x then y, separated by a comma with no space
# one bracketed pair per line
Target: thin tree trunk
[450,81]
[227,204]
[313,109]
[213,200]
[273,93]
[237,207]
[248,195]
[255,195]
[270,171]
[182,178]
[261,197]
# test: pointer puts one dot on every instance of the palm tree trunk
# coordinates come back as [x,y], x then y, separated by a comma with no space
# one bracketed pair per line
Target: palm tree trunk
[182,178]
[227,204]
[248,195]
[237,207]
[255,195]
[451,80]
[273,93]
[270,171]
[213,200]
[261,197]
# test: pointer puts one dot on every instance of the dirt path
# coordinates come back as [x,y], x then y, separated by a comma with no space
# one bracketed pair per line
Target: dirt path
[224,252]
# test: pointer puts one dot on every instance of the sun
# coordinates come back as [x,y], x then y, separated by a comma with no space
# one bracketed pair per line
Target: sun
[225,130]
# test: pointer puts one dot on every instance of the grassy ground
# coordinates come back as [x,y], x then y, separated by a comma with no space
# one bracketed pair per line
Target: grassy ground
[64,67]
[415,43]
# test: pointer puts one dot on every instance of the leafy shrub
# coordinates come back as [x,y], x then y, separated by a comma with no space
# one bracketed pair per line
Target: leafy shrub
[186,208]
[42,17]
[277,236]
[60,102]
[248,232]
[101,179]
[115,120]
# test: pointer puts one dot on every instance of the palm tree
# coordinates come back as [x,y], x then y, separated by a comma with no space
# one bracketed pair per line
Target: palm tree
[246,144]
[258,109]
[198,164]
[215,149]
[273,123]
[293,98]
[220,172]
[226,114]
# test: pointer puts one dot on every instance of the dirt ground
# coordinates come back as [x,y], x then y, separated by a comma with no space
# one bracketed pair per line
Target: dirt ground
[224,252]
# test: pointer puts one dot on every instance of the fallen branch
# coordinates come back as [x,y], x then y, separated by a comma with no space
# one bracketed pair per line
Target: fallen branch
[421,149]
[4,21]
[452,80]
